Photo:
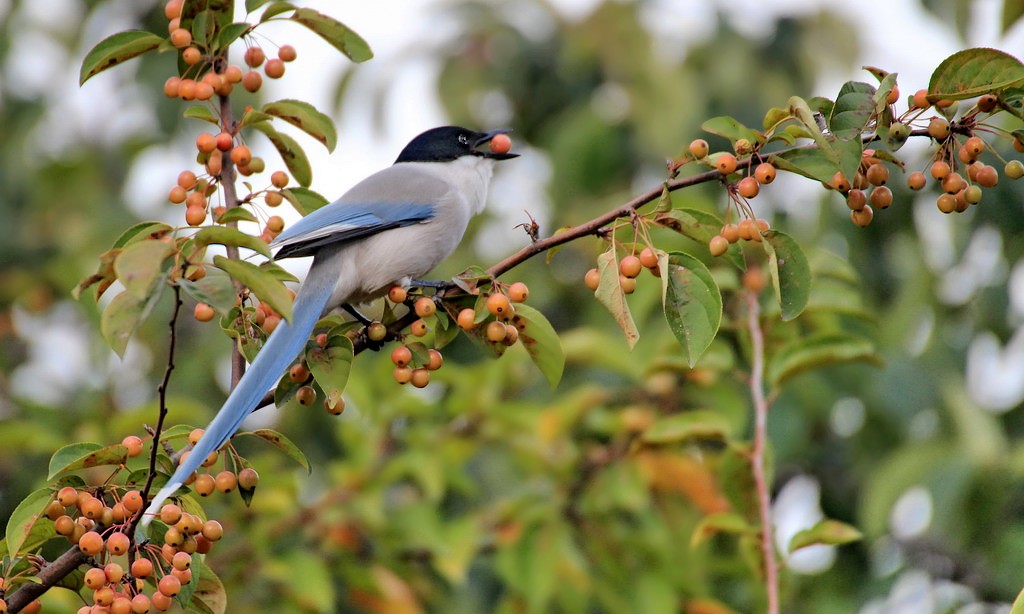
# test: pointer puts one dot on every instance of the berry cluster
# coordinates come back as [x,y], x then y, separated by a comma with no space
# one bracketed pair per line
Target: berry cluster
[497,322]
[225,481]
[630,268]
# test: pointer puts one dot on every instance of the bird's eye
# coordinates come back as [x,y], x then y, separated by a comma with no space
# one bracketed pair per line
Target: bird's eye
[463,139]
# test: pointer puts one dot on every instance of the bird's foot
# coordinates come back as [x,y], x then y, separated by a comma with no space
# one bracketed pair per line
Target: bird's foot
[365,321]
[438,286]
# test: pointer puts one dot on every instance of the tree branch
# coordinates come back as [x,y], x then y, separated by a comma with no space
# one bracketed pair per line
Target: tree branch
[227,183]
[757,458]
[47,577]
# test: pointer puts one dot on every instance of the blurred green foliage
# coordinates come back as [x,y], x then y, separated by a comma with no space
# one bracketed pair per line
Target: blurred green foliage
[489,491]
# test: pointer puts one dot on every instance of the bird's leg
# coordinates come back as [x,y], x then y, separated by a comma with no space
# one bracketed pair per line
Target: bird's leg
[437,285]
[365,321]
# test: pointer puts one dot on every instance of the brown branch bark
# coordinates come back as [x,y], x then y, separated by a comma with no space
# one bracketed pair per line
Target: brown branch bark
[757,457]
[227,185]
[47,577]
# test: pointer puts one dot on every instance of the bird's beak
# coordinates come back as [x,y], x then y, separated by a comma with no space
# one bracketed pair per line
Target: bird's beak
[486,138]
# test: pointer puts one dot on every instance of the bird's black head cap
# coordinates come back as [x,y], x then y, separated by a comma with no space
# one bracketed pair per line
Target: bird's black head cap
[449,143]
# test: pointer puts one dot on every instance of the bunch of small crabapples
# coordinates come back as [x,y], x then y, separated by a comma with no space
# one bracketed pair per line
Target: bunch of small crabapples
[97,520]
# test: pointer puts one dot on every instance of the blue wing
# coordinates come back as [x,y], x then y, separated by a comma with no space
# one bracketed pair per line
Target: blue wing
[340,222]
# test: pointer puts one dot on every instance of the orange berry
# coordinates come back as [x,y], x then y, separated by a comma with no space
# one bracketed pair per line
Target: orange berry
[275,223]
[92,509]
[988,176]
[496,332]
[987,103]
[731,232]
[402,375]
[648,258]
[401,356]
[254,56]
[241,155]
[279,179]
[434,361]
[699,148]
[173,8]
[748,187]
[881,197]
[856,199]
[54,510]
[499,306]
[500,144]
[118,543]
[173,24]
[397,294]
[191,56]
[630,266]
[248,478]
[103,596]
[169,585]
[518,292]
[95,578]
[419,328]
[172,87]
[840,183]
[204,312]
[212,530]
[726,163]
[252,81]
[718,245]
[946,203]
[893,96]
[939,170]
[181,560]
[628,284]
[273,199]
[336,408]
[592,279]
[91,543]
[287,53]
[938,128]
[921,99]
[226,481]
[204,485]
[274,68]
[132,501]
[298,374]
[765,173]
[233,74]
[974,145]
[225,141]
[206,142]
[420,378]
[161,602]
[64,525]
[863,217]
[916,180]
[877,174]
[424,307]
[67,496]
[306,396]
[749,230]
[466,319]
[113,572]
[953,183]
[142,568]
[187,179]
[181,38]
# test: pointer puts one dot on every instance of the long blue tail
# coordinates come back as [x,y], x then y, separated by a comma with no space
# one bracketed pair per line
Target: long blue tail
[281,348]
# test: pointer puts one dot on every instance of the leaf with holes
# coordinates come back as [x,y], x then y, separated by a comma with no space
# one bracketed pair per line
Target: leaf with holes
[541,342]
[84,455]
[973,72]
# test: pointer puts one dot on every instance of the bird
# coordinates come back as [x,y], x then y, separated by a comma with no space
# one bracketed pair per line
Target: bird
[389,229]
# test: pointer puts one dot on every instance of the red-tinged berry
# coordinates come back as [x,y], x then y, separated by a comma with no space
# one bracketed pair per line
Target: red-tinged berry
[592,279]
[953,183]
[248,478]
[225,141]
[500,144]
[731,232]
[856,199]
[161,602]
[921,99]
[987,176]
[649,258]
[95,579]
[718,245]
[169,585]
[91,543]
[67,496]
[397,294]
[274,68]
[321,340]
[434,361]
[975,145]
[877,174]
[241,155]
[142,568]
[206,142]
[306,396]
[630,266]
[938,128]
[170,514]
[765,173]
[287,53]
[401,356]
[118,543]
[939,170]
[754,279]
[496,332]
[419,328]
[420,378]
[187,179]
[141,604]
[840,183]
[298,373]
[212,530]
[172,87]
[252,81]
[748,187]
[181,560]
[518,292]
[172,9]
[376,331]
[466,319]
[254,56]
[863,217]
[424,307]
[726,163]
[402,375]
[881,197]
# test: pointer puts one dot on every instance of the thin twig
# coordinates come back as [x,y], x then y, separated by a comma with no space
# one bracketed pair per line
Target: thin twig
[227,184]
[761,480]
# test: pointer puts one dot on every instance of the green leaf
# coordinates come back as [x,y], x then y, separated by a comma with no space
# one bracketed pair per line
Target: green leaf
[818,350]
[178,431]
[223,235]
[973,72]
[251,117]
[263,283]
[827,532]
[209,596]
[330,365]
[140,265]
[202,112]
[120,319]
[609,293]
[807,161]
[790,272]
[701,424]
[334,32]
[115,49]
[282,443]
[24,517]
[799,108]
[307,118]
[291,153]
[854,108]
[236,214]
[84,455]
[142,231]
[215,289]
[1018,603]
[304,200]
[692,302]
[231,33]
[279,272]
[276,9]
[731,129]
[699,226]
[722,522]
[541,342]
